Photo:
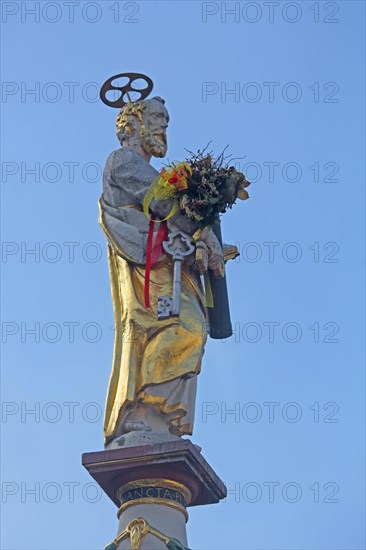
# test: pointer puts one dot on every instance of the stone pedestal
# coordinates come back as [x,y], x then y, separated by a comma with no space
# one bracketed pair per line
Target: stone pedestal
[152,486]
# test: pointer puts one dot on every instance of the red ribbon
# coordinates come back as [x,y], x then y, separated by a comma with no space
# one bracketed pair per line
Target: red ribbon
[153,251]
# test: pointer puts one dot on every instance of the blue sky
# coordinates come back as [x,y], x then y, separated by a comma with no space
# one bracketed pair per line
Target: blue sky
[292,453]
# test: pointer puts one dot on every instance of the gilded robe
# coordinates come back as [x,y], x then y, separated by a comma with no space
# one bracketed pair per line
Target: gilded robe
[154,362]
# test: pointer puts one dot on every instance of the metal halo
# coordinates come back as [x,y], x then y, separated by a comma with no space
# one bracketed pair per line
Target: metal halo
[120,102]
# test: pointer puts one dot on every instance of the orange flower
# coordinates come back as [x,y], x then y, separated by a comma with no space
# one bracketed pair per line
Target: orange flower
[174,177]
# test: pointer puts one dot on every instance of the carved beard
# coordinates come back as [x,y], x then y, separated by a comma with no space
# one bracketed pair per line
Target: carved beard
[154,143]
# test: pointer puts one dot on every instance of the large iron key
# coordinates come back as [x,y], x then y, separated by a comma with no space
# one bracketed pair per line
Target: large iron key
[179,246]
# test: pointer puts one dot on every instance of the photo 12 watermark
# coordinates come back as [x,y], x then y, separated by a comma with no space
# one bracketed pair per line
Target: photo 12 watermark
[49,492]
[52,252]
[270,92]
[91,332]
[270,412]
[291,492]
[68,171]
[290,252]
[270,12]
[250,252]
[223,412]
[75,12]
[256,171]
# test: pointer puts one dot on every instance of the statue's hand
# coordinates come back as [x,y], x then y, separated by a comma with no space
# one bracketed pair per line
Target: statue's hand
[201,256]
[209,254]
[217,265]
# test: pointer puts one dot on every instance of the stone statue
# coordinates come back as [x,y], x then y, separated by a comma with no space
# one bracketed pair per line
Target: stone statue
[152,387]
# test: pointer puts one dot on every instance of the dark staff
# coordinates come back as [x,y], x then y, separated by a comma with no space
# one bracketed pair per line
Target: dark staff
[219,314]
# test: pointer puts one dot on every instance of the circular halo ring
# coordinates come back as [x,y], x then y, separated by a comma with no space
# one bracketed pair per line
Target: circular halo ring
[120,102]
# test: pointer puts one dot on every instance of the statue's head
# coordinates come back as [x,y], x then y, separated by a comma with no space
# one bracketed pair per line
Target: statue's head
[146,120]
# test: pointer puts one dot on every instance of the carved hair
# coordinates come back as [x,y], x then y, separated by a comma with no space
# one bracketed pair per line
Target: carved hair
[135,108]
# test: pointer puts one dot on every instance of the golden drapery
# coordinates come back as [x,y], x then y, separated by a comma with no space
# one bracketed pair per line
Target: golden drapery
[149,354]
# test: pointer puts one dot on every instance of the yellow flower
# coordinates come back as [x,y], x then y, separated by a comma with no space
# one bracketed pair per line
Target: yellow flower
[175,177]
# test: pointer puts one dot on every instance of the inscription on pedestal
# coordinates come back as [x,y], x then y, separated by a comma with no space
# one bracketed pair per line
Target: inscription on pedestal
[154,493]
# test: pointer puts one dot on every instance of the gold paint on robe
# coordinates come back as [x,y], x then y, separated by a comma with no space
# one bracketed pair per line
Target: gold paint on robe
[148,352]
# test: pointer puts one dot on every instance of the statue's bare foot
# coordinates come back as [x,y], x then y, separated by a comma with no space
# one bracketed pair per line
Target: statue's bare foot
[136,426]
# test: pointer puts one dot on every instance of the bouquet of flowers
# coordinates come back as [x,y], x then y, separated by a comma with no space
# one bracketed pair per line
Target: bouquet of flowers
[202,187]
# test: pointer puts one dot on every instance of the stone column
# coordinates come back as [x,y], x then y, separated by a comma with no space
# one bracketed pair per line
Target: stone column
[169,519]
[152,486]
